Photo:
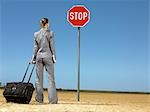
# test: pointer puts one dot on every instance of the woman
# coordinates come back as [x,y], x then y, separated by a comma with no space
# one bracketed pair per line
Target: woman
[44,55]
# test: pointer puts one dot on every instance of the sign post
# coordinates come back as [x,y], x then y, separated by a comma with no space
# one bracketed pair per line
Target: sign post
[78,16]
[78,84]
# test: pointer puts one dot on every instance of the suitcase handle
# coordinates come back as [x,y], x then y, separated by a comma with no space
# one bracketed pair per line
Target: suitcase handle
[31,73]
[26,73]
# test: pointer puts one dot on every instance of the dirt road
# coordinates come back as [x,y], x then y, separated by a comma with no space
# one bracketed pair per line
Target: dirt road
[90,102]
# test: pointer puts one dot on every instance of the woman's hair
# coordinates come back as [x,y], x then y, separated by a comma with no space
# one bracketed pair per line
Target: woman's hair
[43,21]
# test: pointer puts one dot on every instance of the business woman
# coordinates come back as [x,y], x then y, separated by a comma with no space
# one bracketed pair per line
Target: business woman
[44,55]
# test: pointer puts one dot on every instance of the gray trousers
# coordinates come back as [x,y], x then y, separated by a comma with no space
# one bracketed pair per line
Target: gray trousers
[49,66]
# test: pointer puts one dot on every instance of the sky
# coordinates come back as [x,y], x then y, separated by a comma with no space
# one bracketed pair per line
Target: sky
[114,44]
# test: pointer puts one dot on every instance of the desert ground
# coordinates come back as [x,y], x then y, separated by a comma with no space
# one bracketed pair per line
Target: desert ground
[89,102]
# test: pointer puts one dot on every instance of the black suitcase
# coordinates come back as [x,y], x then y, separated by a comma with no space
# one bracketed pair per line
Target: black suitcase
[19,92]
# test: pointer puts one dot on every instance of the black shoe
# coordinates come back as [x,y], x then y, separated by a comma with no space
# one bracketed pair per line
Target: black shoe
[53,102]
[39,102]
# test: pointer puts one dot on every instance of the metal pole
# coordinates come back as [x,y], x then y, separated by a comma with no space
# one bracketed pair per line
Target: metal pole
[78,91]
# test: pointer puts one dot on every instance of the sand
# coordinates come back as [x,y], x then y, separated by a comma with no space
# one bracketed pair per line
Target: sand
[89,102]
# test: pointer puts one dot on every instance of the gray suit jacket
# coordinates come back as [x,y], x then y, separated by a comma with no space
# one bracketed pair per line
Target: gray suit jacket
[43,44]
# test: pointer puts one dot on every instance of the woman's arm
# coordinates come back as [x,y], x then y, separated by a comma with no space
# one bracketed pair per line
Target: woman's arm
[35,49]
[52,44]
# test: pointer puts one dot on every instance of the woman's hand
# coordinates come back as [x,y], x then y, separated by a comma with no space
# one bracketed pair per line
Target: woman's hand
[32,62]
[54,59]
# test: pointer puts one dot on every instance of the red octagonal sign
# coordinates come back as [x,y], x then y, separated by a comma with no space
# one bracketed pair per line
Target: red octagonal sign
[78,16]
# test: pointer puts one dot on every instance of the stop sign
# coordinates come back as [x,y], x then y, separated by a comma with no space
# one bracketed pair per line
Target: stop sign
[78,16]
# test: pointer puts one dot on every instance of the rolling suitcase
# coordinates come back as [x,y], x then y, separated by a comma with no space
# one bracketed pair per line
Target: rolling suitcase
[19,92]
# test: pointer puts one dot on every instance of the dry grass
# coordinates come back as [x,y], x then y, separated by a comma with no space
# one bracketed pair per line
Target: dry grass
[90,102]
